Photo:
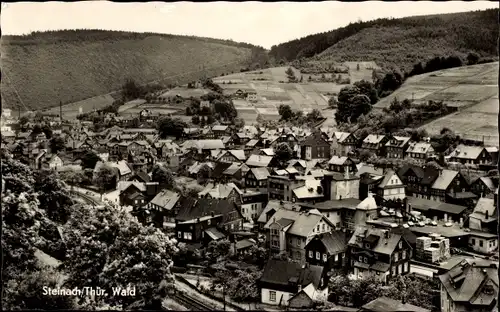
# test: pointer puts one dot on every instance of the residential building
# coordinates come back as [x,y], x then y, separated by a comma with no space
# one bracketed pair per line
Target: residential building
[471,155]
[257,178]
[484,217]
[281,187]
[271,208]
[484,186]
[282,280]
[419,151]
[328,250]
[220,130]
[391,187]
[380,253]
[360,215]
[450,184]
[200,231]
[341,164]
[232,156]
[252,204]
[315,147]
[333,210]
[375,144]
[256,161]
[437,210]
[290,231]
[338,186]
[471,285]
[343,144]
[396,147]
[166,204]
[418,180]
[311,191]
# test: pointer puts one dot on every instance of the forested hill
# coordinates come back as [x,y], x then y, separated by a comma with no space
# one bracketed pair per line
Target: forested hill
[400,42]
[43,68]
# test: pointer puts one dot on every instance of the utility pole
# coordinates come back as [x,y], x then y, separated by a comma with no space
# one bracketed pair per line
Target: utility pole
[60,111]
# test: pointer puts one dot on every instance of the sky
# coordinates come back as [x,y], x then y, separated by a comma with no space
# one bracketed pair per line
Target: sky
[259,23]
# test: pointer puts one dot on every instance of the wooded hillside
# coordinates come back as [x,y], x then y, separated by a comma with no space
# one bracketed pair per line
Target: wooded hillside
[42,69]
[400,42]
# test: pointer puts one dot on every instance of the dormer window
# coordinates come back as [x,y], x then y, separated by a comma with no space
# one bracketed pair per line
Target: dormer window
[367,245]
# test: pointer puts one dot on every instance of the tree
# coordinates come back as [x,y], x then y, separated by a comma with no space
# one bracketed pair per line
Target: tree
[257,255]
[290,74]
[217,251]
[351,105]
[105,178]
[204,174]
[239,123]
[283,152]
[163,176]
[285,112]
[357,67]
[314,115]
[195,119]
[131,90]
[89,160]
[54,197]
[472,58]
[56,144]
[367,88]
[109,248]
[169,126]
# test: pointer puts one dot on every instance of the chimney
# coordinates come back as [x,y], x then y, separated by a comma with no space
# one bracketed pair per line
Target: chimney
[386,234]
[487,215]
[198,220]
[212,214]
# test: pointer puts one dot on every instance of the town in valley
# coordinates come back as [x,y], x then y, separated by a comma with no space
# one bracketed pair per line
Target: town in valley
[230,177]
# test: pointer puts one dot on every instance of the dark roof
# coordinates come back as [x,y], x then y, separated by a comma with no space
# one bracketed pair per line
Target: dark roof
[334,242]
[219,169]
[315,139]
[281,272]
[284,222]
[427,175]
[195,208]
[144,177]
[384,304]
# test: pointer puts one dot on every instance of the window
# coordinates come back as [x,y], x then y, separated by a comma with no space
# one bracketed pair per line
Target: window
[480,243]
[396,257]
[310,254]
[400,269]
[188,236]
[208,222]
[318,255]
[393,271]
[323,227]
[298,242]
[400,245]
[328,215]
[406,269]
[272,296]
[336,257]
[343,255]
[179,234]
[360,259]
[473,241]
[365,260]
[403,254]
[324,257]
[317,228]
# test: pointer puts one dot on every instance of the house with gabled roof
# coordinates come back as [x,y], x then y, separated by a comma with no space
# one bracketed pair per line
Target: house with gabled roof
[290,231]
[418,180]
[471,285]
[281,281]
[328,250]
[419,151]
[379,253]
[484,186]
[315,147]
[451,186]
[375,144]
[384,304]
[311,192]
[166,205]
[396,146]
[257,178]
[471,155]
[232,156]
[342,163]
[391,187]
[484,217]
[256,161]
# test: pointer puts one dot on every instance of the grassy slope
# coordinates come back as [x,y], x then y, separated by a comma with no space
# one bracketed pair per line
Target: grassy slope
[45,73]
[401,42]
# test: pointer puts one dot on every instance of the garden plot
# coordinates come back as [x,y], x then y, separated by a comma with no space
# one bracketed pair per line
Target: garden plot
[185,92]
[326,87]
[490,106]
[475,93]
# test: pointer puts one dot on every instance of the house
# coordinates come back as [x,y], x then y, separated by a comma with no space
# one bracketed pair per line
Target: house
[419,151]
[271,208]
[471,285]
[311,191]
[227,191]
[282,280]
[140,177]
[450,185]
[166,204]
[338,186]
[341,164]
[281,187]
[290,231]
[333,210]
[483,242]
[380,253]
[484,217]
[396,147]
[343,144]
[384,304]
[132,194]
[257,178]
[220,130]
[315,147]
[375,144]
[203,147]
[418,180]
[471,155]
[391,187]
[252,204]
[484,186]
[231,218]
[327,250]
[232,156]
[256,161]
[124,171]
[252,96]
[200,231]
[361,214]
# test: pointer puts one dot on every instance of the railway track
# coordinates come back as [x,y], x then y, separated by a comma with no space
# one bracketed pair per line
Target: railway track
[191,303]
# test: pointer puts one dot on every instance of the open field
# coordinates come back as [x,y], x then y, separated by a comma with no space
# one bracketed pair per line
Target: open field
[473,89]
[70,111]
[40,73]
[304,96]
